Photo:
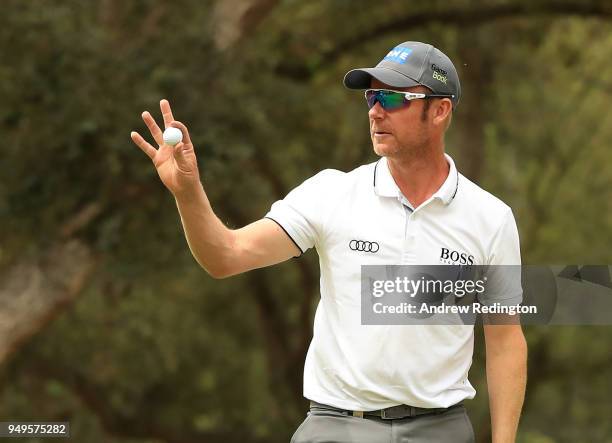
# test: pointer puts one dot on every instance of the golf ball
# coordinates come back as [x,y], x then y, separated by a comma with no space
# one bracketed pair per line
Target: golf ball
[172,136]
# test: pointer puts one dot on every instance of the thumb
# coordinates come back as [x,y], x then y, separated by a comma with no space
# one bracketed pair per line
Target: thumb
[184,164]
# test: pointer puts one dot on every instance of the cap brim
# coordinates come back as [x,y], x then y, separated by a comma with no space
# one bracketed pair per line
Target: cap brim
[361,78]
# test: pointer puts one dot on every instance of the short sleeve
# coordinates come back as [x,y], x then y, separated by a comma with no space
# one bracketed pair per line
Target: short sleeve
[504,266]
[299,213]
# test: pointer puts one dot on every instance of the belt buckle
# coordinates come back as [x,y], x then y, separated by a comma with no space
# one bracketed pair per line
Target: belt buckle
[395,412]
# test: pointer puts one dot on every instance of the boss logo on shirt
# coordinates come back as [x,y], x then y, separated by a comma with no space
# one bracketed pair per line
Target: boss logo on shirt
[451,257]
[364,246]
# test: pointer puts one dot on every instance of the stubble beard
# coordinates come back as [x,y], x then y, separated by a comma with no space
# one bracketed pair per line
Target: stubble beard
[415,150]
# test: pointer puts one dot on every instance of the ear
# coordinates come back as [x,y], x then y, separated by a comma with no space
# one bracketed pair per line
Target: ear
[441,111]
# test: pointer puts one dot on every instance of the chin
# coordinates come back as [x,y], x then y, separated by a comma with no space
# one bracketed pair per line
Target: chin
[385,150]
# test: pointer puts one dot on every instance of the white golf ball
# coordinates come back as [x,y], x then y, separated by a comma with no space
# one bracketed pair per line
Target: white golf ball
[172,136]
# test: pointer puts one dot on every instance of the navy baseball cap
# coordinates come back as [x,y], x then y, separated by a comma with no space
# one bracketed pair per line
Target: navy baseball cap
[411,64]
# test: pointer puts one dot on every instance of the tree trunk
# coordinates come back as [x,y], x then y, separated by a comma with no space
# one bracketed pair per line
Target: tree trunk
[34,291]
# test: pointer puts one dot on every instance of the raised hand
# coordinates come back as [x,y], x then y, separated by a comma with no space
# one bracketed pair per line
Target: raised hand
[177,166]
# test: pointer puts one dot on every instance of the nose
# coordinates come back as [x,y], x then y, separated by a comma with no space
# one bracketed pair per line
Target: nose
[376,112]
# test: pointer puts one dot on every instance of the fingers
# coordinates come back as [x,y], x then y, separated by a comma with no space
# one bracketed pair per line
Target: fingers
[166,112]
[183,129]
[153,128]
[142,144]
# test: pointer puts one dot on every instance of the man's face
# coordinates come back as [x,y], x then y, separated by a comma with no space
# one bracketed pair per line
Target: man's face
[403,132]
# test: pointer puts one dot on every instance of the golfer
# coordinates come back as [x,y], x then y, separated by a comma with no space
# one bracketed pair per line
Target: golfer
[377,383]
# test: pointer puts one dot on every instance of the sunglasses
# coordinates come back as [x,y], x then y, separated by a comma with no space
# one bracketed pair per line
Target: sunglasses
[391,100]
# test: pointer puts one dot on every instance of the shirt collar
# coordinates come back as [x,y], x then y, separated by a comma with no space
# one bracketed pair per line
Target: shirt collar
[385,186]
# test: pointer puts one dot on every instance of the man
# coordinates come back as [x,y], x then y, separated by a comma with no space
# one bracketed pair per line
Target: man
[376,383]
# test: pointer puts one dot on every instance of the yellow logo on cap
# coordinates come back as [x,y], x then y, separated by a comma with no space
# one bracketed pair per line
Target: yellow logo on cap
[440,77]
[439,73]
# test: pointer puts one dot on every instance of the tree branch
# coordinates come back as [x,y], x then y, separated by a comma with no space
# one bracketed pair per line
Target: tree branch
[460,17]
[234,20]
[142,426]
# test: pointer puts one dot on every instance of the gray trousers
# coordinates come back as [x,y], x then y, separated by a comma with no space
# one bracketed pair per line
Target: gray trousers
[330,425]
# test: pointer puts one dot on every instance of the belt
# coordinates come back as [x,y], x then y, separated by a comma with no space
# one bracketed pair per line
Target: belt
[392,413]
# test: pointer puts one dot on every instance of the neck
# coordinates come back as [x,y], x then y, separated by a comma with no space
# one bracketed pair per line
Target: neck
[418,178]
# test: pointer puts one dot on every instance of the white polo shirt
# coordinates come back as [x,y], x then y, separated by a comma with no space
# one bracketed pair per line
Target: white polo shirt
[368,367]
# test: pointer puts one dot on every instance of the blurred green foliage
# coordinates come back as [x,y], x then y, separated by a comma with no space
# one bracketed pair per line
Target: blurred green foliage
[155,350]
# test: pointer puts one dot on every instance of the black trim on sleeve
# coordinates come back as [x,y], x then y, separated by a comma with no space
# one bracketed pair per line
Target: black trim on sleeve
[294,242]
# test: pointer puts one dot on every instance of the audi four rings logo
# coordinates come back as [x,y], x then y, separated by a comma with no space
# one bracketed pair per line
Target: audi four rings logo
[364,246]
